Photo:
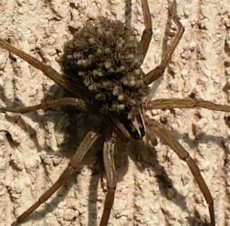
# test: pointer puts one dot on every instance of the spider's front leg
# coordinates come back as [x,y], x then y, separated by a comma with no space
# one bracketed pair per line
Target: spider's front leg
[108,156]
[83,148]
[162,132]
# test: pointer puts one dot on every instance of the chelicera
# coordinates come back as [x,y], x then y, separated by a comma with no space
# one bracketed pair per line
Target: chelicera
[101,67]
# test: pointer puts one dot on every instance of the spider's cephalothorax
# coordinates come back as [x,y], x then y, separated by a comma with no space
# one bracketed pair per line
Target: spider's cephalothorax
[103,57]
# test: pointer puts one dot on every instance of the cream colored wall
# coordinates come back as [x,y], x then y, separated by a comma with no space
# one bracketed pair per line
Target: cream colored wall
[154,186]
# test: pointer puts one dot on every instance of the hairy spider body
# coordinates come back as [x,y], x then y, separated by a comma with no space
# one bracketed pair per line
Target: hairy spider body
[113,88]
[104,58]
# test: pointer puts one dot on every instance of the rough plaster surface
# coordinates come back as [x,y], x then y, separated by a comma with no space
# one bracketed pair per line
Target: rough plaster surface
[154,186]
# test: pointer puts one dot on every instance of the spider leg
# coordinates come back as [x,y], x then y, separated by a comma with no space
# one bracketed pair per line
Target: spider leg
[151,137]
[147,33]
[184,103]
[108,155]
[68,101]
[159,70]
[47,70]
[83,148]
[184,155]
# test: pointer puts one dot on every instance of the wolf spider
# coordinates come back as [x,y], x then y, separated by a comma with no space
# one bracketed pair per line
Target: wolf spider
[100,50]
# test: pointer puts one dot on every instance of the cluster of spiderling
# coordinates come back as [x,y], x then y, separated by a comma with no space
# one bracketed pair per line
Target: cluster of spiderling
[103,56]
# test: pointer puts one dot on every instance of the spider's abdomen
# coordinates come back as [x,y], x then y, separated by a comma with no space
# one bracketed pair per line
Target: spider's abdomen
[104,57]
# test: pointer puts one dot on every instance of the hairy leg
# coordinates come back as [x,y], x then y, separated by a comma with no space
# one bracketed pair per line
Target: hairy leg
[159,70]
[47,70]
[68,101]
[184,103]
[108,155]
[147,33]
[83,148]
[162,132]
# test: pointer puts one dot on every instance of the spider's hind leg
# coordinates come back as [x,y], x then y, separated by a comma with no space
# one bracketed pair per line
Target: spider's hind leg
[57,77]
[159,70]
[147,33]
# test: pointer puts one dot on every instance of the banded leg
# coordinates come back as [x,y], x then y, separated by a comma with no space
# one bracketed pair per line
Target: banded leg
[108,155]
[67,101]
[85,145]
[47,70]
[184,103]
[147,33]
[162,132]
[159,70]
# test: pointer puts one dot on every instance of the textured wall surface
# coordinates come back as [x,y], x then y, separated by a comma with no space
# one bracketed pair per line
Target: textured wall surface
[154,186]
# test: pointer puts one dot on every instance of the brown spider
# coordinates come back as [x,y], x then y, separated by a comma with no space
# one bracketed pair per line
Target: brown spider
[118,101]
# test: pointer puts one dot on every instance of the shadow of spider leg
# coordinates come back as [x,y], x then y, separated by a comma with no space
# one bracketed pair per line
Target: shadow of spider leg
[172,142]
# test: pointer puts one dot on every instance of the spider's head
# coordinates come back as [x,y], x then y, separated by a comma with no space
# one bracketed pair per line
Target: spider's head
[104,58]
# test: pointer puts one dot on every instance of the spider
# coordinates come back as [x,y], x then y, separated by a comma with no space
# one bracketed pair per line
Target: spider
[108,82]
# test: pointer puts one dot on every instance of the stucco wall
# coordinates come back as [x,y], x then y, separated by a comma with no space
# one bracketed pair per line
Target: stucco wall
[154,186]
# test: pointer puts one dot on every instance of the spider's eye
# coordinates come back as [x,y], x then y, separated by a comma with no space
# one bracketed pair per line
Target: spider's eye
[135,134]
